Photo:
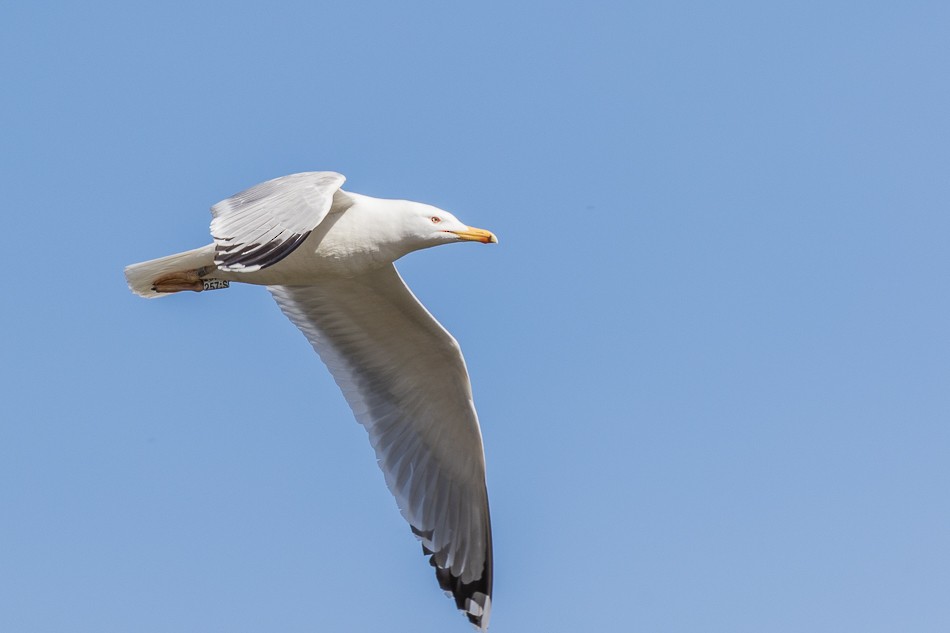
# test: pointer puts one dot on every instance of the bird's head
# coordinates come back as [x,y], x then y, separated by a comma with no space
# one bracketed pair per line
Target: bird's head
[431,226]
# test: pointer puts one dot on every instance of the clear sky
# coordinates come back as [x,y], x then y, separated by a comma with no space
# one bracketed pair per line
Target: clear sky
[711,352]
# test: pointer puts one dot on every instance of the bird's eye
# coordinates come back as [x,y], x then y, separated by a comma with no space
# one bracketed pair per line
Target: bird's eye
[435,219]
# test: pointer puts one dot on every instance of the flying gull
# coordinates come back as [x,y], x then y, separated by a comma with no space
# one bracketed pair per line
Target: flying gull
[327,256]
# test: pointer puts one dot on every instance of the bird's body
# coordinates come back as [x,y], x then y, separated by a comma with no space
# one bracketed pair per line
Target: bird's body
[326,256]
[358,234]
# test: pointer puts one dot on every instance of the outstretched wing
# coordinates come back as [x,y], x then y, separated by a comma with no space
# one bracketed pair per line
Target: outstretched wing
[405,379]
[259,227]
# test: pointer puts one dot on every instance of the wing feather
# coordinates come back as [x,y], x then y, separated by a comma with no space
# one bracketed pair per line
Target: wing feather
[405,379]
[262,225]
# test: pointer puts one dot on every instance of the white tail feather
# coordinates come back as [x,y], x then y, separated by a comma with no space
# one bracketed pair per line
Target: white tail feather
[140,277]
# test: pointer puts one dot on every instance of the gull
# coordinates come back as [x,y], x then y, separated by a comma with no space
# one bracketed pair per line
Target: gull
[326,255]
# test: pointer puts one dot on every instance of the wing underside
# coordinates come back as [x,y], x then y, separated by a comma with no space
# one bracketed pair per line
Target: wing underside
[405,379]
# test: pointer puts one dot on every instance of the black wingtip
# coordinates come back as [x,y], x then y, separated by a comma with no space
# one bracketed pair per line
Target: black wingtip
[259,255]
[472,598]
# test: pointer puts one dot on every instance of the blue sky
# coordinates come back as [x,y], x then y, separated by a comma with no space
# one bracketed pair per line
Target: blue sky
[710,352]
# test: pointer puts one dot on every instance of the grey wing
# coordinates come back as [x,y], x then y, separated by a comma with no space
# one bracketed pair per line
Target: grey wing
[261,225]
[405,379]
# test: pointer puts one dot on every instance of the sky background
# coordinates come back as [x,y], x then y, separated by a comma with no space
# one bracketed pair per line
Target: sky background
[710,353]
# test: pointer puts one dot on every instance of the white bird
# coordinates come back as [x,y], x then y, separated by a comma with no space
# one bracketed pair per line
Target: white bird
[327,257]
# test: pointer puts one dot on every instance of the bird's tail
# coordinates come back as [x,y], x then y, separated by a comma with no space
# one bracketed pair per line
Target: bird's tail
[182,271]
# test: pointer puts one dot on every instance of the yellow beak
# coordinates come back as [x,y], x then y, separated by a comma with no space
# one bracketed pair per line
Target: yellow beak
[477,235]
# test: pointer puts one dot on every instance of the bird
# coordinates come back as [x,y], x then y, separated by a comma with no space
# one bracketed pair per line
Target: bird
[326,256]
